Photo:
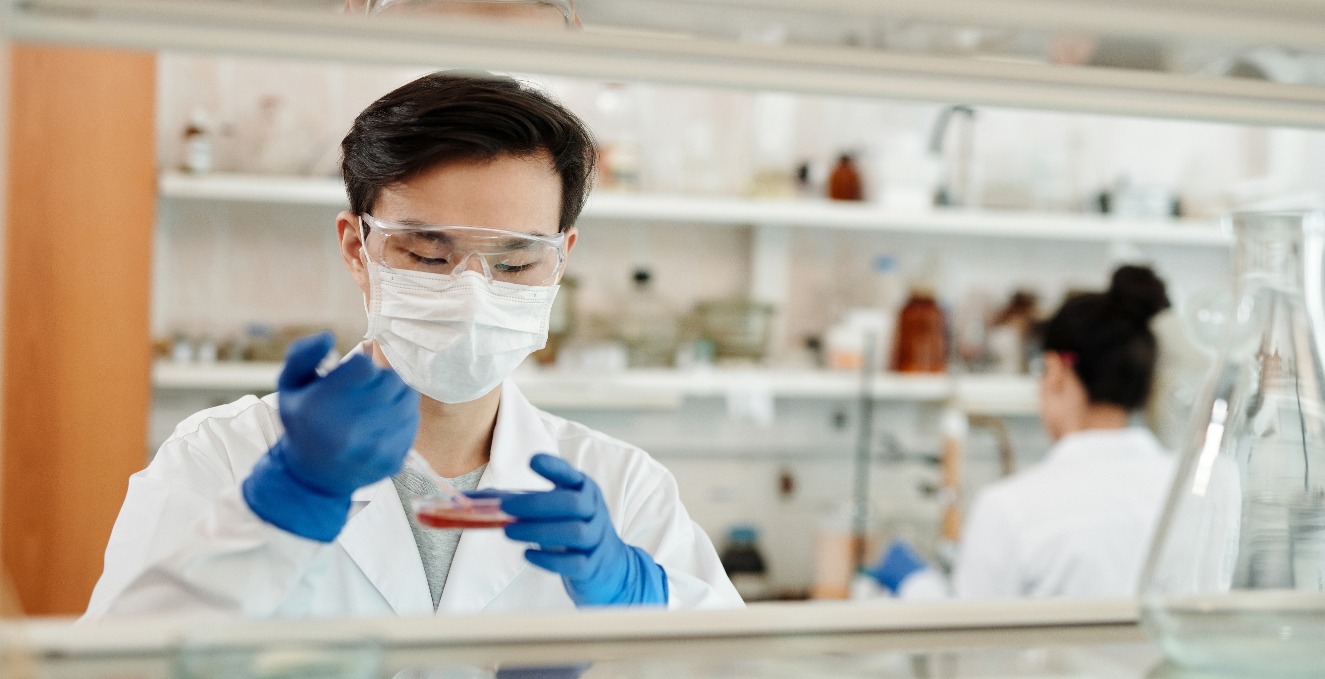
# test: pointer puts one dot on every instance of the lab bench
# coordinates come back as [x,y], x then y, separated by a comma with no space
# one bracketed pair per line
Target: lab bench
[1038,639]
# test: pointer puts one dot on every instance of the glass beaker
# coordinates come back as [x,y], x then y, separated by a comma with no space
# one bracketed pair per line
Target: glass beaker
[1236,575]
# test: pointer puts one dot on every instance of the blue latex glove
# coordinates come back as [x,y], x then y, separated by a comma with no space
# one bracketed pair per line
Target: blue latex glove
[897,564]
[343,431]
[576,539]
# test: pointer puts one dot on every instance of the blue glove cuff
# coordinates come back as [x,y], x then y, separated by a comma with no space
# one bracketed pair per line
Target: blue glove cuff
[897,564]
[652,590]
[643,583]
[278,498]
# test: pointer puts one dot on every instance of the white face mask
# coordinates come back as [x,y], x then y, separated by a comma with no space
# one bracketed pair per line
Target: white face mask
[455,338]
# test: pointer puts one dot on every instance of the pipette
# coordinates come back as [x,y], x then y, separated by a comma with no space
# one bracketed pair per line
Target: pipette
[444,487]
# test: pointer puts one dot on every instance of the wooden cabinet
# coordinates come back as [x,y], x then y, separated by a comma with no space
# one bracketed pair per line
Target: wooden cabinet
[81,201]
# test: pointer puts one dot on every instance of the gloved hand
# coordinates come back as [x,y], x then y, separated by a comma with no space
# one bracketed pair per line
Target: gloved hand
[575,538]
[897,564]
[342,432]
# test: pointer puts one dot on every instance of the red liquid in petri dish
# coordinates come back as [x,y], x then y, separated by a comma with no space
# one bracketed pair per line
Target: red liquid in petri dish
[461,518]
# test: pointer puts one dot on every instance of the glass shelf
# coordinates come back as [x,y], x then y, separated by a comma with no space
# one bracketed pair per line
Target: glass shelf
[1036,639]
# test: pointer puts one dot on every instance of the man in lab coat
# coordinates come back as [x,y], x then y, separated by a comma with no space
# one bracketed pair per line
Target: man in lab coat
[464,190]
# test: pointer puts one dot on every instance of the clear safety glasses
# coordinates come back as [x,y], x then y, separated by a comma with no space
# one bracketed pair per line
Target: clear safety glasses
[501,255]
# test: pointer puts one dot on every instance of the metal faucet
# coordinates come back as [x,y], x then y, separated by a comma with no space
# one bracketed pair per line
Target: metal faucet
[955,182]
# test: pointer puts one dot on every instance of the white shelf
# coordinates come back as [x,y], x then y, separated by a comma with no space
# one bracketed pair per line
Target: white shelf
[227,376]
[636,49]
[716,210]
[865,216]
[253,188]
[667,389]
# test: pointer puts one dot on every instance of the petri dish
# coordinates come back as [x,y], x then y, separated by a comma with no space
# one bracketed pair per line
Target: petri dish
[484,511]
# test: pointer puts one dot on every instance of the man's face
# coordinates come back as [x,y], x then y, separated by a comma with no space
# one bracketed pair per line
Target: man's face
[513,193]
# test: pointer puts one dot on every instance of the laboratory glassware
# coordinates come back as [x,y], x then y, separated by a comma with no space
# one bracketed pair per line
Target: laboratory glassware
[1235,580]
[472,509]
[920,344]
[444,487]
[648,325]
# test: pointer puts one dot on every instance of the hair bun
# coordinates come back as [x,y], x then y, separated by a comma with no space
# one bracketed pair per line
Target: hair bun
[1138,292]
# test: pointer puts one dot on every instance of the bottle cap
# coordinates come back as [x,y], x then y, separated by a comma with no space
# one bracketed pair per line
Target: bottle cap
[743,533]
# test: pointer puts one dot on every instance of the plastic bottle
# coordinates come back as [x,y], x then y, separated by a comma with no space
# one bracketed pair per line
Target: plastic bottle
[834,552]
[198,149]
[848,340]
[744,563]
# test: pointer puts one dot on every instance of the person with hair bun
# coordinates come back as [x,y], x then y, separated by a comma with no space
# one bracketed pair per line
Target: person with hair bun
[1079,522]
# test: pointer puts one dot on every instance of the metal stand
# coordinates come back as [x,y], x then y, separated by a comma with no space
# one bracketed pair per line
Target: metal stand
[860,508]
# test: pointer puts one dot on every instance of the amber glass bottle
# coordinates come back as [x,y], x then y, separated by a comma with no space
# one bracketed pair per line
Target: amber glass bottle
[844,182]
[921,345]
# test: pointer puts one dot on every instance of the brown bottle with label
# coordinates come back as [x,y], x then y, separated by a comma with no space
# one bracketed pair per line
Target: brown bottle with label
[844,182]
[921,345]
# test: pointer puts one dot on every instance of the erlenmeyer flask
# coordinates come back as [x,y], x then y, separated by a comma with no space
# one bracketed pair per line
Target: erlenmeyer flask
[1236,576]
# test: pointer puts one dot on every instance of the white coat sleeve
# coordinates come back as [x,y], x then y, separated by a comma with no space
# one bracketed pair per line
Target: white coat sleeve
[987,557]
[657,522]
[186,543]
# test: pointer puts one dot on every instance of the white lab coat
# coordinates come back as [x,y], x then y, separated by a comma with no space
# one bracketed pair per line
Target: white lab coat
[186,542]
[1077,524]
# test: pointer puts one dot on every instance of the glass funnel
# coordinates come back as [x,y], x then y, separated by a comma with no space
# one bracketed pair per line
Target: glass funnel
[1236,576]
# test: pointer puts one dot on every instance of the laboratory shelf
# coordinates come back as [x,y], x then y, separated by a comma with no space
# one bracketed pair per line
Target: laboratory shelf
[681,42]
[254,188]
[226,376]
[1010,395]
[739,211]
[864,216]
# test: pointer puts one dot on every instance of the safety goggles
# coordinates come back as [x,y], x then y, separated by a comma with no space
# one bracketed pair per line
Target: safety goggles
[501,255]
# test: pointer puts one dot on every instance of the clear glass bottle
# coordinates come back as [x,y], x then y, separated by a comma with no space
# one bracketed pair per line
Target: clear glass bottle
[619,140]
[648,325]
[1235,581]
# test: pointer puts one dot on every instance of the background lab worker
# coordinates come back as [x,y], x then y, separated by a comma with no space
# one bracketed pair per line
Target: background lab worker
[1078,523]
[464,191]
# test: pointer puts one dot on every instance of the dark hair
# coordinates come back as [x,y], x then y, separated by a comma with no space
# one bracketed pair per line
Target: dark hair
[1109,335]
[464,115]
